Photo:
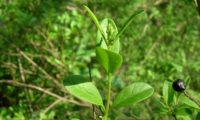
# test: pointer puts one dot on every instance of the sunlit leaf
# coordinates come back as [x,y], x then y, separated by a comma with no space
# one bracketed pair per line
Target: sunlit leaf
[185,100]
[168,92]
[81,88]
[132,94]
[110,30]
[109,60]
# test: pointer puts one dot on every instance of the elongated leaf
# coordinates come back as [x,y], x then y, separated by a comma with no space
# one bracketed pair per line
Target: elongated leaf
[168,92]
[128,22]
[132,94]
[109,60]
[81,88]
[185,100]
[110,30]
[91,14]
[162,108]
[187,82]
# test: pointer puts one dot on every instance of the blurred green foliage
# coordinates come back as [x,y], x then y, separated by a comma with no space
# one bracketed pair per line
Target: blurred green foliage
[56,36]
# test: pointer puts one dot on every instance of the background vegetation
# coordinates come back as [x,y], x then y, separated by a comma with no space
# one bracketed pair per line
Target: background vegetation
[43,41]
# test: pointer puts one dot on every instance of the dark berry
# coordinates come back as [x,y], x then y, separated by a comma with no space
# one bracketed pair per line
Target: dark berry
[178,85]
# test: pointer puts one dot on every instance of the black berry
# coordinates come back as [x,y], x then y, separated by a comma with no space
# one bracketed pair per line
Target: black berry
[178,85]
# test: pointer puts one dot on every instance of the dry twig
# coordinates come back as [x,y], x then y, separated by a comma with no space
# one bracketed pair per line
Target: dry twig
[24,81]
[64,99]
[43,71]
[52,105]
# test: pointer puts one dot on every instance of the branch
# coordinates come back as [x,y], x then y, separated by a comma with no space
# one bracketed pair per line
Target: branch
[42,70]
[52,105]
[24,81]
[15,83]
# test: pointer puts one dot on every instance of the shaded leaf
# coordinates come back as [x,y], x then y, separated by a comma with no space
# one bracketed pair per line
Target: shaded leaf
[198,116]
[183,113]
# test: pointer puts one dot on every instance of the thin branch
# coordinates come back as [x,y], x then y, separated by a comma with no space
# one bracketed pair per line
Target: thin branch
[21,70]
[15,83]
[11,66]
[155,44]
[51,51]
[24,81]
[52,105]
[43,71]
[30,55]
[8,65]
[148,109]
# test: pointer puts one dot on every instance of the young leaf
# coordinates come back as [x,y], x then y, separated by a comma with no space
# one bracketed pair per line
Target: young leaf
[81,88]
[132,94]
[110,30]
[109,60]
[128,22]
[91,14]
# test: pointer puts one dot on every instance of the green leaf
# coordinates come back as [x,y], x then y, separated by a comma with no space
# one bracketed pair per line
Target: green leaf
[183,113]
[91,14]
[110,31]
[165,91]
[185,100]
[161,107]
[109,60]
[187,83]
[132,94]
[168,92]
[128,22]
[81,88]
[198,116]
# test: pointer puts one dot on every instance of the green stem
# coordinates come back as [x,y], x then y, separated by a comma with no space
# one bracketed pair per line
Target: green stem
[108,96]
[95,20]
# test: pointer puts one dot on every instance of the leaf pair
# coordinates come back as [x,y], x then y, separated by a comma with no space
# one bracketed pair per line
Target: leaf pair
[81,88]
